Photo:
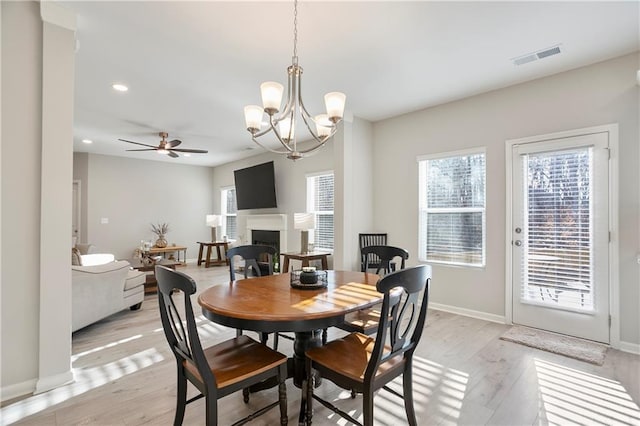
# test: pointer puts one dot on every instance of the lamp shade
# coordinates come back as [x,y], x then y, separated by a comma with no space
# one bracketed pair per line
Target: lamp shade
[214,220]
[334,102]
[271,96]
[304,221]
[253,117]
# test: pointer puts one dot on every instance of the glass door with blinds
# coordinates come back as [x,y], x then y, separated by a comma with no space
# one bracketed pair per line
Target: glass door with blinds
[560,236]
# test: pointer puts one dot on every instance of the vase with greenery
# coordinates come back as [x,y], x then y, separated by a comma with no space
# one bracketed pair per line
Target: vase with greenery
[160,230]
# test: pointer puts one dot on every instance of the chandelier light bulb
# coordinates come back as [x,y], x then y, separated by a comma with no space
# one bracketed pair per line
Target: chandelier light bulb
[286,131]
[253,117]
[334,102]
[271,96]
[323,125]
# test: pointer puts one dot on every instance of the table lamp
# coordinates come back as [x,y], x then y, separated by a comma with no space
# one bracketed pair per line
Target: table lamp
[214,220]
[304,222]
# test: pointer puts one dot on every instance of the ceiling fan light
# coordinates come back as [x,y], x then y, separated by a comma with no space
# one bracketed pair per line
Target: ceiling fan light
[163,151]
[334,102]
[253,117]
[271,96]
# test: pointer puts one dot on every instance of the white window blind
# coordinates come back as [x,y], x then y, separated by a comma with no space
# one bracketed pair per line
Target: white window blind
[452,208]
[229,213]
[320,201]
[558,251]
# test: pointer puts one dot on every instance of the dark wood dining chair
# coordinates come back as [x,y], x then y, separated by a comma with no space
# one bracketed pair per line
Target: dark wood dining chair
[258,261]
[366,240]
[386,257]
[219,370]
[364,364]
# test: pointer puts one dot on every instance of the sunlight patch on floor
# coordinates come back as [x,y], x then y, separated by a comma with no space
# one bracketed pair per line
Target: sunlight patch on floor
[85,380]
[100,348]
[430,380]
[569,395]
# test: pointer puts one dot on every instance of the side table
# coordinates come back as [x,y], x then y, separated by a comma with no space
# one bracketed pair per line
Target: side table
[222,257]
[151,284]
[305,258]
[171,249]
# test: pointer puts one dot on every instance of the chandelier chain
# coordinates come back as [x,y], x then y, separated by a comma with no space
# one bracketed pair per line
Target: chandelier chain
[295,32]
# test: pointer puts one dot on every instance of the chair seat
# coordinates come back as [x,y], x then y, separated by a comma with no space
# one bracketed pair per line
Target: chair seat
[237,359]
[349,357]
[364,321]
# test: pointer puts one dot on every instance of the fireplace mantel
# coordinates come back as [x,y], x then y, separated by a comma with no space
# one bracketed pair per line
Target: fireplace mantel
[268,222]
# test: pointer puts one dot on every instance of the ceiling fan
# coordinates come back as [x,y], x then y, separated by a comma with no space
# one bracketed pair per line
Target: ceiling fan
[165,146]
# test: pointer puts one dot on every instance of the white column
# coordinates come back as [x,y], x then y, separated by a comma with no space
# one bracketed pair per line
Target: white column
[58,57]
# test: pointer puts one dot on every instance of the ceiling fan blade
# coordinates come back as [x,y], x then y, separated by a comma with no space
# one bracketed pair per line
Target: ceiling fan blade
[173,143]
[195,151]
[145,149]
[173,154]
[137,143]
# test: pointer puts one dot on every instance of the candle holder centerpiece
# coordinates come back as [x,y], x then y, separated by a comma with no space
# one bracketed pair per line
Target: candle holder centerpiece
[308,278]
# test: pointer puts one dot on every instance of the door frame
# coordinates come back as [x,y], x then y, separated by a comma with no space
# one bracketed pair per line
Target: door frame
[614,283]
[78,185]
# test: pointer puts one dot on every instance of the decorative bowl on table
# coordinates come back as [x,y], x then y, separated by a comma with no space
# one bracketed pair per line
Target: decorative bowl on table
[308,278]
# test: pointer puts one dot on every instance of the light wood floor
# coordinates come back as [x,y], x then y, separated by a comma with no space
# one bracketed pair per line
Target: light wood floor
[463,374]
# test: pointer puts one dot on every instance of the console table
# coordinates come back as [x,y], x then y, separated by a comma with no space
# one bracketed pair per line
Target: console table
[171,249]
[305,258]
[220,260]
[151,284]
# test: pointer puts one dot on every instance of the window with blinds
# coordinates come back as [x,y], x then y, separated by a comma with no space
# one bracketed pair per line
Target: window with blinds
[558,252]
[229,213]
[452,208]
[320,201]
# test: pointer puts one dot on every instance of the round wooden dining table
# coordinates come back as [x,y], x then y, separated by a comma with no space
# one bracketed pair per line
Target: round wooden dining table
[270,304]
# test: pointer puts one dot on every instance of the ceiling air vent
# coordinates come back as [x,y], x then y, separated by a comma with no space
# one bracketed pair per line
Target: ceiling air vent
[540,54]
[548,52]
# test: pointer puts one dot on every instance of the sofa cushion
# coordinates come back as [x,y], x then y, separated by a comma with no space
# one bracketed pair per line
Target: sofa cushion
[134,279]
[97,259]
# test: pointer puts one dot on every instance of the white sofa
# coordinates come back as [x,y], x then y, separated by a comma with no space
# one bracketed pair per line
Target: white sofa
[102,290]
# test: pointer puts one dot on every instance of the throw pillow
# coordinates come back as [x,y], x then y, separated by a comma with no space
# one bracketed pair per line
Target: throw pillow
[76,259]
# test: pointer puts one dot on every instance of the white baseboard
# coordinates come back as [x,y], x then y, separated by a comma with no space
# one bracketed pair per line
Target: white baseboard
[633,348]
[45,384]
[17,389]
[468,313]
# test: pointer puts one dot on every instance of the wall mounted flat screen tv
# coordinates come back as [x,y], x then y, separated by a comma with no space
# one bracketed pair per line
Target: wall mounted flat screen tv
[255,187]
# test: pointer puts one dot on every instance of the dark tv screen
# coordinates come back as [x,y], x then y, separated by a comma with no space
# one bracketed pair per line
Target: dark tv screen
[255,187]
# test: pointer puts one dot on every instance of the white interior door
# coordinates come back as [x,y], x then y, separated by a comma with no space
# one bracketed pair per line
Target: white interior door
[560,235]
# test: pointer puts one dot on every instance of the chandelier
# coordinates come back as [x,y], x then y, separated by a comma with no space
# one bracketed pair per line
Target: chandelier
[283,124]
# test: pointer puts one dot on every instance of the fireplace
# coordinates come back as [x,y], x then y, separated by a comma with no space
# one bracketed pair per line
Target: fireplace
[268,222]
[267,238]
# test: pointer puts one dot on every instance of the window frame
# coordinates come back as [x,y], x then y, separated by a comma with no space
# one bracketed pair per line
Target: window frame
[423,208]
[225,214]
[310,201]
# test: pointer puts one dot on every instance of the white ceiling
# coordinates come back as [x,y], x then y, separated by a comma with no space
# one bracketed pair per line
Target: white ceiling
[191,67]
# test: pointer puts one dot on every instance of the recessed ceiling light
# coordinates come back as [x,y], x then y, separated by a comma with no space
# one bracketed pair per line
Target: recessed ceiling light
[119,87]
[87,141]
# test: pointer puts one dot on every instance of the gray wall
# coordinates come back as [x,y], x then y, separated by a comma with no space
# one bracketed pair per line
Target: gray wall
[132,194]
[599,94]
